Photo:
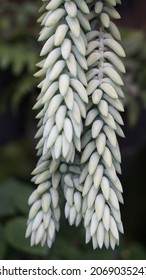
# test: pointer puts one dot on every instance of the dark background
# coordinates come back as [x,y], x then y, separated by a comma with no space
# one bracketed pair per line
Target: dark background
[19,52]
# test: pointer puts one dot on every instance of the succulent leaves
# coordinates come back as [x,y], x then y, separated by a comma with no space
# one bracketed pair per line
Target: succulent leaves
[80,100]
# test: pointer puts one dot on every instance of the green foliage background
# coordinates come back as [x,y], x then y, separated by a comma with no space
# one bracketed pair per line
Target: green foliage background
[19,52]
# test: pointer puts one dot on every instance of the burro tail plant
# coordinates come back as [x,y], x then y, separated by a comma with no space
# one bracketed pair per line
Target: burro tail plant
[79,119]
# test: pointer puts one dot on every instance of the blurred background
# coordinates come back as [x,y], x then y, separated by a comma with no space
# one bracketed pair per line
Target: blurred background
[19,52]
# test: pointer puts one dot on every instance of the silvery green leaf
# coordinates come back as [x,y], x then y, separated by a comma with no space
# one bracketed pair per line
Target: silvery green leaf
[37,220]
[84,206]
[105,187]
[52,57]
[81,75]
[112,241]
[34,209]
[64,82]
[110,72]
[93,162]
[88,216]
[66,48]
[79,43]
[106,218]
[110,133]
[39,132]
[43,187]
[57,213]
[50,92]
[92,86]
[93,44]
[91,115]
[113,58]
[109,120]
[120,227]
[116,115]
[46,32]
[94,224]
[40,168]
[115,102]
[72,65]
[78,219]
[107,88]
[80,58]
[112,12]
[33,197]
[113,199]
[96,128]
[56,178]
[107,157]
[32,239]
[54,197]
[60,116]
[58,147]
[115,32]
[65,146]
[46,201]
[72,215]
[99,206]
[87,151]
[43,241]
[93,58]
[96,96]
[100,234]
[91,196]
[77,85]
[68,180]
[115,46]
[111,2]
[76,115]
[100,143]
[74,25]
[77,201]
[71,8]
[76,126]
[83,20]
[42,177]
[52,136]
[48,46]
[56,70]
[98,176]
[119,131]
[54,104]
[53,5]
[82,6]
[29,229]
[88,235]
[94,242]
[86,138]
[87,184]
[98,7]
[68,129]
[51,229]
[81,105]
[67,210]
[105,20]
[103,107]
[60,34]
[69,99]
[106,239]
[54,17]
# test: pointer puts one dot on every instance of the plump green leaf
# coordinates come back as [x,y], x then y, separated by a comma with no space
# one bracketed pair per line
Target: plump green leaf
[15,236]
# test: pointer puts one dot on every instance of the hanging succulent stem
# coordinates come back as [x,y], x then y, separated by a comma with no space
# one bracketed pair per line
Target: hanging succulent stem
[79,102]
